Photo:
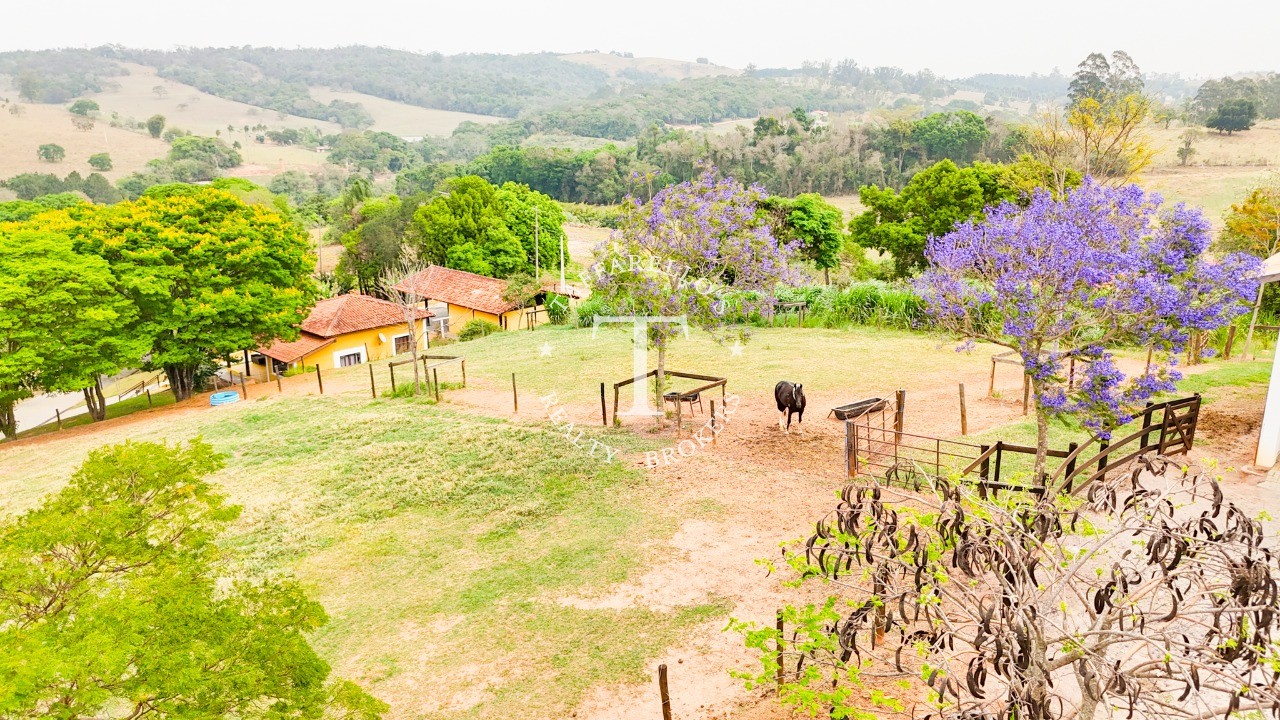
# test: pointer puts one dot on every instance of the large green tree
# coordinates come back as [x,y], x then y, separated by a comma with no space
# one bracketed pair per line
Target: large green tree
[466,229]
[61,322]
[930,205]
[115,602]
[956,136]
[816,223]
[536,220]
[210,274]
[1233,116]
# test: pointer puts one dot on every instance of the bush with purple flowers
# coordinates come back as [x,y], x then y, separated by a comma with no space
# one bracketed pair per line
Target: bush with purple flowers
[1071,278]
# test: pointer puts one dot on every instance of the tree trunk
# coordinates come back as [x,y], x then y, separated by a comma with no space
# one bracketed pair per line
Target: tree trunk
[826,276]
[1253,321]
[1042,434]
[182,380]
[94,400]
[8,424]
[413,353]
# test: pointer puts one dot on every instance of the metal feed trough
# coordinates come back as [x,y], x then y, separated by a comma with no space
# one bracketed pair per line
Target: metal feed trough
[858,409]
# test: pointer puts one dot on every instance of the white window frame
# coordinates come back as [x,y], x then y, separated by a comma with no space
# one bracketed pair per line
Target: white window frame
[337,356]
[394,338]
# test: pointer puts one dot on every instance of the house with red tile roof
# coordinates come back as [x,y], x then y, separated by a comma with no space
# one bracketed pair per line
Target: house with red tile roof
[458,297]
[341,331]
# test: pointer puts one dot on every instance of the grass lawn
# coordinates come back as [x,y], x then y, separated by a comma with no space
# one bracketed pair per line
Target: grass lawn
[572,362]
[439,543]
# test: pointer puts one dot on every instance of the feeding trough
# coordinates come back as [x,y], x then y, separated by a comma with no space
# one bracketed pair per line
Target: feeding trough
[224,398]
[858,409]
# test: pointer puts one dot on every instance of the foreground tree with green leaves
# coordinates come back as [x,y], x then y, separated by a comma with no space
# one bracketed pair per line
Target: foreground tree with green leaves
[62,323]
[115,601]
[209,274]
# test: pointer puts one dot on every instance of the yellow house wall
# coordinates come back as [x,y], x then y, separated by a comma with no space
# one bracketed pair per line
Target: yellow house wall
[514,320]
[324,357]
[374,348]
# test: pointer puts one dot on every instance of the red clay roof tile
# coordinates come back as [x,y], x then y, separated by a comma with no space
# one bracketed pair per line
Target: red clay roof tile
[457,287]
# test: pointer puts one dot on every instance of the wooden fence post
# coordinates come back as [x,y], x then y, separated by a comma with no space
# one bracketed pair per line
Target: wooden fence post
[515,398]
[392,369]
[279,384]
[899,413]
[713,423]
[58,414]
[373,387]
[964,417]
[991,387]
[149,398]
[779,646]
[435,377]
[319,379]
[615,406]
[1071,464]
[679,416]
[244,391]
[464,372]
[663,693]
[604,408]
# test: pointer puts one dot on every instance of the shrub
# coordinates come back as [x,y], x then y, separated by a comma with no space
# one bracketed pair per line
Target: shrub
[51,152]
[591,307]
[558,309]
[478,329]
[100,161]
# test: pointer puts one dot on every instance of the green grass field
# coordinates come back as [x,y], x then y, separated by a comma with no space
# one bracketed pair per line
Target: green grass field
[438,542]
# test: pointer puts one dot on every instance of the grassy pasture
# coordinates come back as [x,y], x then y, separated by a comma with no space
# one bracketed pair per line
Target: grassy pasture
[438,542]
[35,125]
[401,119]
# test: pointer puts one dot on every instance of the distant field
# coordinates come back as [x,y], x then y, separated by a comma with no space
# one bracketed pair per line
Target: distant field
[36,125]
[571,142]
[132,97]
[673,69]
[203,114]
[1222,170]
[1258,147]
[401,119]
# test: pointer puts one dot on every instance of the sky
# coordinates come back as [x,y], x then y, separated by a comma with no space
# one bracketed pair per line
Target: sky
[953,39]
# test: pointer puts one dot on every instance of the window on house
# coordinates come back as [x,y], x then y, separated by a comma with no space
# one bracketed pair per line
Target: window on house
[349,359]
[401,344]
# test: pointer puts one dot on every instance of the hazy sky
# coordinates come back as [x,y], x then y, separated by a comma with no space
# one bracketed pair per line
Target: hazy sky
[951,38]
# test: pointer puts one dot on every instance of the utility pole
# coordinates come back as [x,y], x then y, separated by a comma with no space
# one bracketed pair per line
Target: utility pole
[537,254]
[562,285]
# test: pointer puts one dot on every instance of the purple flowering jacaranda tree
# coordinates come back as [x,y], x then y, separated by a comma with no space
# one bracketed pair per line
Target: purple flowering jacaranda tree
[696,251]
[1071,278]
